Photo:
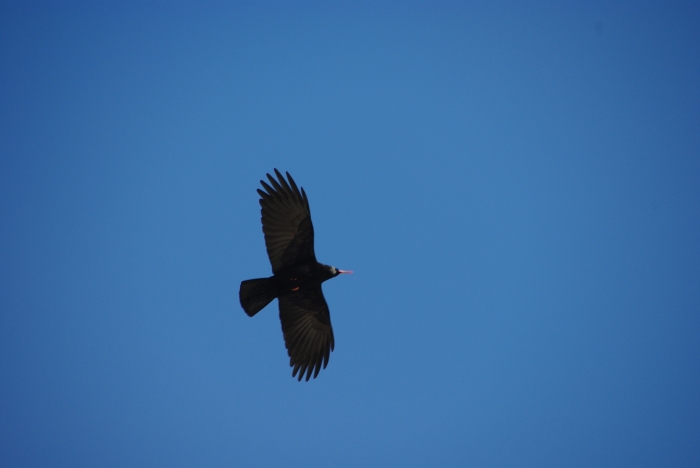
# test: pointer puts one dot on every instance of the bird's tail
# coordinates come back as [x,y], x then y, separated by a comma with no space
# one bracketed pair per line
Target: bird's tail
[255,294]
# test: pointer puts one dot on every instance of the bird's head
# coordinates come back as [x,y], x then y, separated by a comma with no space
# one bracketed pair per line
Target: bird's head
[335,272]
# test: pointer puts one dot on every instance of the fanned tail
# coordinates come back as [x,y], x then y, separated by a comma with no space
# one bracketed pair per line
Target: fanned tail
[255,294]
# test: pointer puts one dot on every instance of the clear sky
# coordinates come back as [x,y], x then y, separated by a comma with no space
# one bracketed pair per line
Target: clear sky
[517,189]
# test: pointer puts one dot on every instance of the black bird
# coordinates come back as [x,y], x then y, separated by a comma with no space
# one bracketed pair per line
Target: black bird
[297,277]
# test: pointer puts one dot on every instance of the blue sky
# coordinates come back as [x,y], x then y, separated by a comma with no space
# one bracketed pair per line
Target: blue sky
[515,186]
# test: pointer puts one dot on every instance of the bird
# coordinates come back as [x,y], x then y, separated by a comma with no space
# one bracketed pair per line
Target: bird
[297,277]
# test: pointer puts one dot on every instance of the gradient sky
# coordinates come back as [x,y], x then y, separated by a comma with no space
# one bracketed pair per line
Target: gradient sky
[517,189]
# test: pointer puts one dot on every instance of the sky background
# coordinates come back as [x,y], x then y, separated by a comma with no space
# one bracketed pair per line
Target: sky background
[517,188]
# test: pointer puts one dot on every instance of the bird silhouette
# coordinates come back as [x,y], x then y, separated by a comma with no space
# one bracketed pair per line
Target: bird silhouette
[297,277]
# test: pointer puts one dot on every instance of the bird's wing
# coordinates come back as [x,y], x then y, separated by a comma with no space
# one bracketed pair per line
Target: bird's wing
[308,335]
[286,221]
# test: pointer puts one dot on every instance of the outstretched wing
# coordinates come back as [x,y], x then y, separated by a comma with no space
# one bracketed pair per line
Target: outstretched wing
[286,221]
[308,335]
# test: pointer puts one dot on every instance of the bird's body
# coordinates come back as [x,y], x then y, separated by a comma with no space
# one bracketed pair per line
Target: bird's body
[292,279]
[297,278]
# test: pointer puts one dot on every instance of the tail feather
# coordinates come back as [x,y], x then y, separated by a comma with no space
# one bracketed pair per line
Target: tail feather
[255,294]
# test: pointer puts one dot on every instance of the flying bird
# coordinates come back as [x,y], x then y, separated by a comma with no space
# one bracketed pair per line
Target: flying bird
[297,277]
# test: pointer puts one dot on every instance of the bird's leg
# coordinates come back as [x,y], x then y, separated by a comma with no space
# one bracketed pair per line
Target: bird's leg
[294,280]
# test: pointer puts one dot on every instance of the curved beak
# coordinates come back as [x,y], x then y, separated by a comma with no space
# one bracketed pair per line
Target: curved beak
[344,272]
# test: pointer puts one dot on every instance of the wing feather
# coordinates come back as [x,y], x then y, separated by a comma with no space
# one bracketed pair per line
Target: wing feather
[286,222]
[307,330]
